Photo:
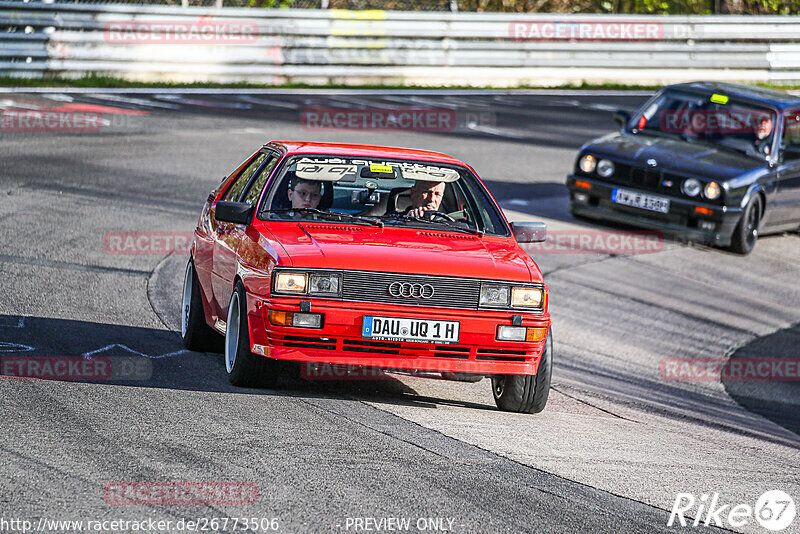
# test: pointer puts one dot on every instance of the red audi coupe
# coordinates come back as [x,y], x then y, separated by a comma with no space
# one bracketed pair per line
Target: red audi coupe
[367,256]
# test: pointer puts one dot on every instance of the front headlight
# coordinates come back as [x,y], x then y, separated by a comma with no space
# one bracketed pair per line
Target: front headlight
[527,297]
[494,295]
[588,163]
[324,283]
[691,187]
[291,282]
[605,168]
[712,190]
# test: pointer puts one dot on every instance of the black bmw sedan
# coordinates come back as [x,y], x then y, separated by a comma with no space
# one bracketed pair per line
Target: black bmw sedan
[715,163]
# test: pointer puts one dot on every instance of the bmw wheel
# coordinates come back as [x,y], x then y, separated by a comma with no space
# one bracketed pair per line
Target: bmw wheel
[526,393]
[195,333]
[746,233]
[244,368]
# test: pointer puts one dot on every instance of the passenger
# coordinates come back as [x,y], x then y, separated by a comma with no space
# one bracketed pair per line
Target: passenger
[305,193]
[425,196]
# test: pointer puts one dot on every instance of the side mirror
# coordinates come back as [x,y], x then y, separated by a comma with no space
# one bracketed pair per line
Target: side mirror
[233,212]
[529,232]
[621,117]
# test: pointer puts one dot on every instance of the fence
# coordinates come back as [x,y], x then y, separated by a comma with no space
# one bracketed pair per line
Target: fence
[277,46]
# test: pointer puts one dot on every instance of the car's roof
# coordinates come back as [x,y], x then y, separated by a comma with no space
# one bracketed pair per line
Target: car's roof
[777,99]
[346,149]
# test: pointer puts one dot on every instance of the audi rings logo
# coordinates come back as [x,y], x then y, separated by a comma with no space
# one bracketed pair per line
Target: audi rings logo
[411,291]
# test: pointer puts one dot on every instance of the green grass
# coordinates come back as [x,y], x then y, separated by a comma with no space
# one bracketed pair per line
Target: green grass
[110,82]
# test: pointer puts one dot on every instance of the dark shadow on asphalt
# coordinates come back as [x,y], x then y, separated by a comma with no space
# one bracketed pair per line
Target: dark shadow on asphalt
[81,351]
[770,386]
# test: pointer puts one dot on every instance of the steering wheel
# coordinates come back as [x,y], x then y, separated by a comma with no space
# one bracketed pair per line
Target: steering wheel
[433,215]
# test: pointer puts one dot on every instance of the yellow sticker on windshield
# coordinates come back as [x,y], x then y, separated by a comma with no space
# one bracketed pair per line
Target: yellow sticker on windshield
[383,169]
[719,99]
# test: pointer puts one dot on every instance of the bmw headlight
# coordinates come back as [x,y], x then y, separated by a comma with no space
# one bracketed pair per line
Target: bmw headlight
[605,168]
[712,190]
[324,284]
[527,297]
[291,282]
[588,163]
[494,295]
[691,187]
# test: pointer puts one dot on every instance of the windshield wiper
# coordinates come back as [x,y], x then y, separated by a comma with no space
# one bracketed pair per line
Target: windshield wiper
[454,226]
[348,216]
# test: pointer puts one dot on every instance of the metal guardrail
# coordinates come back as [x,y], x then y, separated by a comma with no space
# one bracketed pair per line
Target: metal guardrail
[163,43]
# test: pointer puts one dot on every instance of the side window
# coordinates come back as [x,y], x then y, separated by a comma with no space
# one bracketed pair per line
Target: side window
[253,192]
[791,130]
[238,185]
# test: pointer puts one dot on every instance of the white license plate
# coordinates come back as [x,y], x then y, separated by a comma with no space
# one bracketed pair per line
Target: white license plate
[640,200]
[408,329]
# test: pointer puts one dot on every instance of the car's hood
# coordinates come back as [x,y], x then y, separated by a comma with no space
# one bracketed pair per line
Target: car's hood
[674,155]
[402,250]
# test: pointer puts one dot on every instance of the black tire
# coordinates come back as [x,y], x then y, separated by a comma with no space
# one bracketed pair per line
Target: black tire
[526,393]
[245,369]
[195,332]
[746,233]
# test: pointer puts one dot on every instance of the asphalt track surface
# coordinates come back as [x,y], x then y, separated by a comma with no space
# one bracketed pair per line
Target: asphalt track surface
[615,445]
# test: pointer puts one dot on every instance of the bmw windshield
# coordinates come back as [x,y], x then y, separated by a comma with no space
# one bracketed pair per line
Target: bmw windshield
[709,119]
[381,192]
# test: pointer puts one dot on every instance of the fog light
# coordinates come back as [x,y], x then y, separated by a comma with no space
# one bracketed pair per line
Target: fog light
[307,320]
[708,226]
[297,320]
[520,333]
[583,198]
[511,333]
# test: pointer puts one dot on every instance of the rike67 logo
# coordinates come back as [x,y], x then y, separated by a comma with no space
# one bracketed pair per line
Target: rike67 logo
[774,510]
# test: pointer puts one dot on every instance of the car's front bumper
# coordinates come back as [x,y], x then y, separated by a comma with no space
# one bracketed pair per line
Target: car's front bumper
[682,220]
[340,340]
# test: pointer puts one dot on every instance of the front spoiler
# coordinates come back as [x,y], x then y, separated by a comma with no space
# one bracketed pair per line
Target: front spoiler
[726,217]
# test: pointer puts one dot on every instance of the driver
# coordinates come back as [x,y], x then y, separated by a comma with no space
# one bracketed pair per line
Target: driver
[763,129]
[304,193]
[425,196]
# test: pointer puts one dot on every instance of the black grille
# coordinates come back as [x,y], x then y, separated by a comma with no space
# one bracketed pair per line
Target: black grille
[367,286]
[645,178]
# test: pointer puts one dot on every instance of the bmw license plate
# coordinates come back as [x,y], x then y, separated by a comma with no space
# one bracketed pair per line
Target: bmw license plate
[407,329]
[640,200]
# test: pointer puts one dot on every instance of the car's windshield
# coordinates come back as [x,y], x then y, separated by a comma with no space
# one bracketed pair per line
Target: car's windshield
[383,192]
[711,119]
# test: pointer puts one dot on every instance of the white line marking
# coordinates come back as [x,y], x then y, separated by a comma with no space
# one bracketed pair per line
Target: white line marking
[125,347]
[6,346]
[20,324]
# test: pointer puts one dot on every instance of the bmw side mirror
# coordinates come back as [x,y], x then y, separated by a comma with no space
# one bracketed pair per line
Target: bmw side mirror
[233,212]
[621,117]
[529,232]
